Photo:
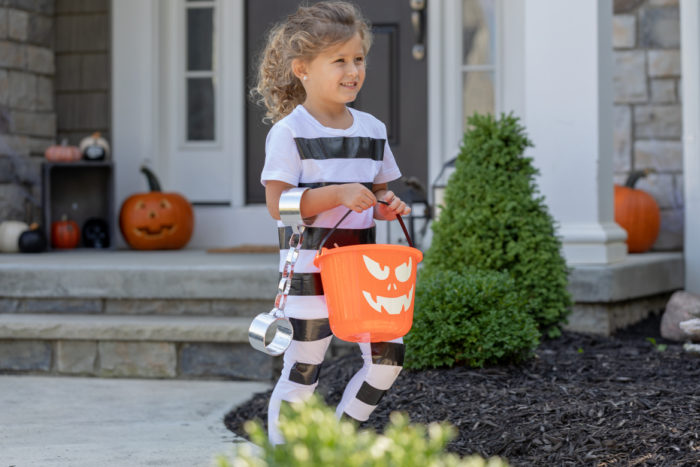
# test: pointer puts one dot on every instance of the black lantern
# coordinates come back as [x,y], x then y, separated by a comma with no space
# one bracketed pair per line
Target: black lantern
[440,184]
[415,196]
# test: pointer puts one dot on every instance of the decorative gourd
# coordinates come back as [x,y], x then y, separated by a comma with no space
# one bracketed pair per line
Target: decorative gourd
[62,152]
[94,147]
[9,235]
[32,240]
[65,234]
[156,220]
[636,211]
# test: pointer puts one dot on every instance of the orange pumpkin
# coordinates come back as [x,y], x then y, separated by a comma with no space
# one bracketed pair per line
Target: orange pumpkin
[62,152]
[65,234]
[636,211]
[156,220]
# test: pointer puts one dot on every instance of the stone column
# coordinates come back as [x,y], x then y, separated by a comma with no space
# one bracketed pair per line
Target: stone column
[690,62]
[569,117]
[27,116]
[82,69]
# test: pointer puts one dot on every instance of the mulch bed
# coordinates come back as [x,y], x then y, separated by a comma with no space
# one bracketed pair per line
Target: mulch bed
[582,400]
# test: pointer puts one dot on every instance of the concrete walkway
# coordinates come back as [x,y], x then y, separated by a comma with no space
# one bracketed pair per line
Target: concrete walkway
[60,421]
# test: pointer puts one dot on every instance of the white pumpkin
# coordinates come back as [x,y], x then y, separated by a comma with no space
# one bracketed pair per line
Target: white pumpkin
[94,147]
[9,235]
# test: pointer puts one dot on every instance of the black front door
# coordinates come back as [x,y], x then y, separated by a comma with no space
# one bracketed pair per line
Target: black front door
[395,88]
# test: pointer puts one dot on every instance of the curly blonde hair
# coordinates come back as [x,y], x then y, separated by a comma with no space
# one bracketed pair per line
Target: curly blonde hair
[304,34]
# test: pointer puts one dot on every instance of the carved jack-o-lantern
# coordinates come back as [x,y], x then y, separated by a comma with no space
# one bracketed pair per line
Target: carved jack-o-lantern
[369,290]
[156,220]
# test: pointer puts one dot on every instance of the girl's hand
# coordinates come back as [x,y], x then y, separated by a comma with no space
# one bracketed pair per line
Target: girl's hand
[355,196]
[396,206]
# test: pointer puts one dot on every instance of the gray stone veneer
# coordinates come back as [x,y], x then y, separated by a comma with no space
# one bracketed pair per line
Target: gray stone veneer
[129,359]
[648,123]
[27,114]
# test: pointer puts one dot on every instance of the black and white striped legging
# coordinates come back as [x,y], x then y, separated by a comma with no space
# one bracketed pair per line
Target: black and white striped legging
[306,309]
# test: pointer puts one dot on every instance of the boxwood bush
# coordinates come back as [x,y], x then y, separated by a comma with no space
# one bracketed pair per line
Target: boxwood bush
[494,219]
[314,437]
[472,318]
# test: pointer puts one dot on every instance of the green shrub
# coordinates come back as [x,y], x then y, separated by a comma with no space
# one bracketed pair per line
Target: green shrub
[473,318]
[316,438]
[494,219]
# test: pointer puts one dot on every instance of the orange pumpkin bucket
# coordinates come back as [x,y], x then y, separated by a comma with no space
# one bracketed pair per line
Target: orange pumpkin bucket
[370,289]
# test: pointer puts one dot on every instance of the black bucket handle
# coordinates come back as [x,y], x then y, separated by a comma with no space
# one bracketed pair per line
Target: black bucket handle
[398,218]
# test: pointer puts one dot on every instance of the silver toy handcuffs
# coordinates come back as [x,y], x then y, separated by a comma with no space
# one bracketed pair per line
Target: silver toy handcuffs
[272,332]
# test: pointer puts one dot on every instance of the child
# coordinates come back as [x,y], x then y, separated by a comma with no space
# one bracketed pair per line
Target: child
[312,66]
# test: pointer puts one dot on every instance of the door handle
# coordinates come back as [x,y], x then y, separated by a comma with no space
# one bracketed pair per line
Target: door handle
[418,23]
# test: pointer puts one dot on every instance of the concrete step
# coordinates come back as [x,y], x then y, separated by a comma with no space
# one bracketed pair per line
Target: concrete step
[209,347]
[170,275]
[131,346]
[183,282]
[154,314]
[124,328]
[138,306]
[613,296]
[196,283]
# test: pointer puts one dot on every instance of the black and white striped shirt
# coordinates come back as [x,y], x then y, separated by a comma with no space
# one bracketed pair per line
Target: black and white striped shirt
[301,151]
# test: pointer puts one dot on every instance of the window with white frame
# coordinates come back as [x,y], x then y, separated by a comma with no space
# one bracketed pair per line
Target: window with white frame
[200,72]
[480,73]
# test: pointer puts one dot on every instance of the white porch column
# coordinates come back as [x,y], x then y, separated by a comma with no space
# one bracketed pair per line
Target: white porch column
[568,116]
[690,69]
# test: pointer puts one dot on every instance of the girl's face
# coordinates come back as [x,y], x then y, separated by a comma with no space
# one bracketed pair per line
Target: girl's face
[335,76]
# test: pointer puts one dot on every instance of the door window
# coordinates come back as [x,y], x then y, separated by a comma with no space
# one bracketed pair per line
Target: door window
[479,61]
[200,71]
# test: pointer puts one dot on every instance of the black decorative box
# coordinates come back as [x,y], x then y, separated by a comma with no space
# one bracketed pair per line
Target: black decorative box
[81,191]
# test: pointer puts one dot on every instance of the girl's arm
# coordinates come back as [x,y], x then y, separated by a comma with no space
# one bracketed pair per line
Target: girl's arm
[396,206]
[351,195]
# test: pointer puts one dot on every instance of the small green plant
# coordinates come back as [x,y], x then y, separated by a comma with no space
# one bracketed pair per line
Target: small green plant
[658,347]
[472,319]
[494,219]
[316,438]
[580,350]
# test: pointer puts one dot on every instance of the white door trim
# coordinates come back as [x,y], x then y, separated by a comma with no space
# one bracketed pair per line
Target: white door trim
[134,92]
[444,83]
[445,113]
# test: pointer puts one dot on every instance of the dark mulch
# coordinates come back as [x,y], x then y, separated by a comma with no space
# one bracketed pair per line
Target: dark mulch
[582,400]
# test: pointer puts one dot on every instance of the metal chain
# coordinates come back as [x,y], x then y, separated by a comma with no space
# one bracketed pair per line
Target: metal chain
[285,284]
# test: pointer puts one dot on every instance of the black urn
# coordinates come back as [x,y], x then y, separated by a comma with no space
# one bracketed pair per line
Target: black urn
[96,233]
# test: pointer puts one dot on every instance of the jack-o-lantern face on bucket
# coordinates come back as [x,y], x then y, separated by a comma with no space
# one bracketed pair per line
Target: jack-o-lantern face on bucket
[369,290]
[394,291]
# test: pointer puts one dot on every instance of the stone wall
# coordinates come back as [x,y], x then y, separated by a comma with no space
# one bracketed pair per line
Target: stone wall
[27,112]
[82,68]
[54,84]
[648,115]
